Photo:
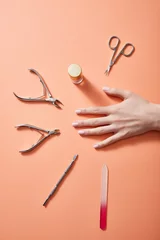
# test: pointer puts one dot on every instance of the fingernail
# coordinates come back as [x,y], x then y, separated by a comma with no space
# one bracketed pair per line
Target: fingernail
[96,146]
[75,124]
[106,88]
[78,111]
[81,132]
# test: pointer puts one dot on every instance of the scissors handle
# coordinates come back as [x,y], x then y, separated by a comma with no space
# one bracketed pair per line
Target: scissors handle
[117,43]
[125,47]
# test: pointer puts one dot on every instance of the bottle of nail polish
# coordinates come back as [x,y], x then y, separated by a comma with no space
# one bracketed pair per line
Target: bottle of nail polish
[75,73]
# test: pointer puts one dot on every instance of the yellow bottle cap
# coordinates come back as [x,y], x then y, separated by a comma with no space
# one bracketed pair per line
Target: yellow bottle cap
[75,72]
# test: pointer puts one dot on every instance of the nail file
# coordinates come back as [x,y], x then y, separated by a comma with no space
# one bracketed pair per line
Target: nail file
[103,203]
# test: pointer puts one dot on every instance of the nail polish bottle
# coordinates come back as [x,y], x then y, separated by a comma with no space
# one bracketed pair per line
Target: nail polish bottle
[75,73]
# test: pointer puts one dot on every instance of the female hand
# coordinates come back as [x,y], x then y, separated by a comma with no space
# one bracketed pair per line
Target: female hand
[133,116]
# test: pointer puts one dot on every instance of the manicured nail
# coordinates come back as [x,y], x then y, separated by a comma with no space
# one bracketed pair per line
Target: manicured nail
[96,146]
[78,111]
[106,89]
[81,132]
[75,124]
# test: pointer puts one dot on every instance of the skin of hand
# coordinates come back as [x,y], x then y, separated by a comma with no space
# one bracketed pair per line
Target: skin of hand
[133,116]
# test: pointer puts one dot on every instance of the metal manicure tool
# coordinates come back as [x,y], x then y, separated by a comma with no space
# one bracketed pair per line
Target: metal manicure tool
[42,137]
[46,97]
[115,49]
[60,180]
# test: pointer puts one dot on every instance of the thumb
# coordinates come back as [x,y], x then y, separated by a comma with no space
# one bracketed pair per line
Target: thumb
[117,92]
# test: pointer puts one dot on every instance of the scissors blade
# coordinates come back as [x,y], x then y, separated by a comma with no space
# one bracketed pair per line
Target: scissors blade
[108,70]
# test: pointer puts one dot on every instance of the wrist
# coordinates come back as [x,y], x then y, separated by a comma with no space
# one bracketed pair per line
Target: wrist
[154,113]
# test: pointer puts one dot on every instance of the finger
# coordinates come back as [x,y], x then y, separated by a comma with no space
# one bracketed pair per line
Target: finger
[97,131]
[117,92]
[95,110]
[91,122]
[116,137]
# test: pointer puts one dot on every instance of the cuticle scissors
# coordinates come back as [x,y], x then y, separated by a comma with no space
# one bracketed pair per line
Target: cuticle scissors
[42,98]
[122,52]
